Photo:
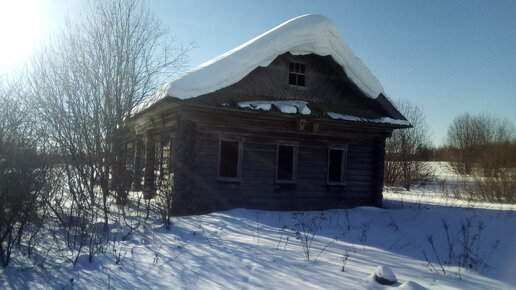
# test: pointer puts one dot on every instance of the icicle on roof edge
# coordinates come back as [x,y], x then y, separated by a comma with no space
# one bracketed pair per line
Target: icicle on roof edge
[302,35]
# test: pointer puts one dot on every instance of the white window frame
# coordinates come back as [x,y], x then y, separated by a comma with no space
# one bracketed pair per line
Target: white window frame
[294,161]
[237,178]
[343,165]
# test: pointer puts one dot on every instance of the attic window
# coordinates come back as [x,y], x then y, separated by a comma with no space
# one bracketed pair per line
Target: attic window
[296,74]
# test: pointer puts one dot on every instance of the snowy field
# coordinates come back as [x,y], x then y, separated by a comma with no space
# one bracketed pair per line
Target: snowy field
[421,235]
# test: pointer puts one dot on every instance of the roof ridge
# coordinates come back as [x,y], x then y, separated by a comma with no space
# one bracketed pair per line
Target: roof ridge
[302,35]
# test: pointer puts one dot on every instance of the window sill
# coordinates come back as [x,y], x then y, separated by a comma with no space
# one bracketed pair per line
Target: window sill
[336,183]
[297,87]
[284,186]
[335,187]
[283,181]
[229,180]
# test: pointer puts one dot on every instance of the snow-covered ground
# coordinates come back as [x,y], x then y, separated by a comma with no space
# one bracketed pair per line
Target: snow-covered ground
[249,249]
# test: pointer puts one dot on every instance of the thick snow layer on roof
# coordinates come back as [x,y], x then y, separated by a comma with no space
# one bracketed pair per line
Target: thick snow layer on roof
[302,35]
[288,107]
[384,120]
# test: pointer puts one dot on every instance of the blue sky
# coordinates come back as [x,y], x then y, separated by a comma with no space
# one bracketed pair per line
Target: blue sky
[449,57]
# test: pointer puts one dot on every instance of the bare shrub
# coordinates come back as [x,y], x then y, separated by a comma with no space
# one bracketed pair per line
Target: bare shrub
[24,169]
[282,231]
[499,188]
[466,135]
[461,188]
[89,79]
[463,248]
[85,84]
[405,150]
[345,258]
[477,140]
[164,199]
[483,150]
[305,230]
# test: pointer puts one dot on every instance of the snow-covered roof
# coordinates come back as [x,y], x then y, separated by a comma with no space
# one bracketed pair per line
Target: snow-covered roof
[307,34]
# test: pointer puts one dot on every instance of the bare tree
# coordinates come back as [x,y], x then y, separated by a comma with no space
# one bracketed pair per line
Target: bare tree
[470,136]
[466,135]
[23,171]
[483,148]
[403,164]
[165,197]
[164,179]
[86,82]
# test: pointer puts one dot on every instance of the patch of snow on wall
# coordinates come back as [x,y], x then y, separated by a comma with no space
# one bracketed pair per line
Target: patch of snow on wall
[288,107]
[385,120]
[257,105]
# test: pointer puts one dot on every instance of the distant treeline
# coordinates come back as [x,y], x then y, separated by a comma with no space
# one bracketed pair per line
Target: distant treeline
[447,153]
[481,147]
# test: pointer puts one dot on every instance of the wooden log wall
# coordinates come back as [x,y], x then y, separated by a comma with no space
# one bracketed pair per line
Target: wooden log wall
[378,173]
[195,150]
[182,156]
[258,189]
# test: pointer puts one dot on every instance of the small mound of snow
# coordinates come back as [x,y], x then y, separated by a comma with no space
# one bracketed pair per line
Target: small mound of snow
[384,275]
[410,285]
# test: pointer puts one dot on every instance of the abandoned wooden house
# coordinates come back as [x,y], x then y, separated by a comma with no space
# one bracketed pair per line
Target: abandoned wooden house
[290,120]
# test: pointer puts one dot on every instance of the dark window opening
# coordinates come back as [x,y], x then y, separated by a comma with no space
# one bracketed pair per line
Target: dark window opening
[286,163]
[229,152]
[296,74]
[162,160]
[336,165]
[158,157]
[165,158]
[129,157]
[292,79]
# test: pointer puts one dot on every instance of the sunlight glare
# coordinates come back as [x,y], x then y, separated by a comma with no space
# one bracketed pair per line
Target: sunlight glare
[21,25]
